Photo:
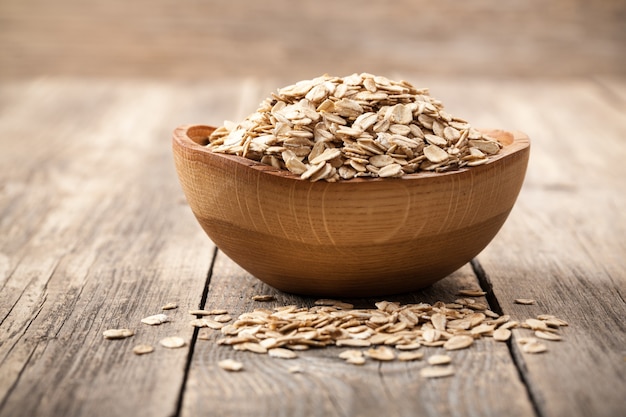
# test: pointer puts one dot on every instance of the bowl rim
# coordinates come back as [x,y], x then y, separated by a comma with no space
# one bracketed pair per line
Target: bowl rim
[513,143]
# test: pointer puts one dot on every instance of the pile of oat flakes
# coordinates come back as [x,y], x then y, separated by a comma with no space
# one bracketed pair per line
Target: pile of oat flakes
[390,331]
[363,125]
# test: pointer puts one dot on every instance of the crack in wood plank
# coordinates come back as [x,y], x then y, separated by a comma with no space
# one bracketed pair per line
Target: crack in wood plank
[194,337]
[515,353]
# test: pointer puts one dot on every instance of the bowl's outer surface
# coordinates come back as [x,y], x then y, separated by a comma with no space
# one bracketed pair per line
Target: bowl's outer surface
[364,237]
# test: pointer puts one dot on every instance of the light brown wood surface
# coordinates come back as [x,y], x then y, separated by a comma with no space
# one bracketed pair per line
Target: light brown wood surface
[91,239]
[579,270]
[95,233]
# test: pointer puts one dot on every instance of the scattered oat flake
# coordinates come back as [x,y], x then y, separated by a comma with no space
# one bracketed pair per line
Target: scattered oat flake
[545,335]
[458,342]
[491,314]
[351,353]
[300,346]
[509,325]
[205,312]
[356,361]
[353,356]
[554,322]
[381,353]
[410,356]
[264,297]
[155,320]
[198,323]
[169,306]
[431,335]
[282,353]
[437,371]
[253,347]
[117,333]
[172,342]
[472,293]
[524,301]
[409,346]
[439,321]
[477,306]
[534,347]
[223,318]
[536,324]
[142,349]
[295,369]
[199,312]
[230,365]
[333,303]
[353,342]
[206,322]
[439,360]
[482,329]
[501,334]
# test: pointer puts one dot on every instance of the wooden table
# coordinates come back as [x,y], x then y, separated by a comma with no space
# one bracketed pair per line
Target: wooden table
[95,234]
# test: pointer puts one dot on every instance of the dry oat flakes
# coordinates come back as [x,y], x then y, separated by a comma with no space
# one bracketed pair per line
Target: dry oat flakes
[524,301]
[534,347]
[410,356]
[439,360]
[117,333]
[230,365]
[172,342]
[390,331]
[263,298]
[155,320]
[142,349]
[339,128]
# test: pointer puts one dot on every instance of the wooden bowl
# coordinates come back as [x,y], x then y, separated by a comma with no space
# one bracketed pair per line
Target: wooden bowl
[356,238]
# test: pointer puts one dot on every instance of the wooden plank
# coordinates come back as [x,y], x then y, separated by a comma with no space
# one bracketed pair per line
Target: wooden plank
[487,381]
[564,246]
[94,234]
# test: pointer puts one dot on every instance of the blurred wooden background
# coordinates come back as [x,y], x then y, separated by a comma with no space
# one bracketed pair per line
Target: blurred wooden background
[196,39]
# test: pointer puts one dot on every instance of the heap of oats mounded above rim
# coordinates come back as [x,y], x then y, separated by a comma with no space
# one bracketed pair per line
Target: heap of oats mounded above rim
[363,125]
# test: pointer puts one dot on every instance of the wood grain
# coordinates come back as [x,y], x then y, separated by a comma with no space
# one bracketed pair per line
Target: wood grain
[329,387]
[564,246]
[93,237]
